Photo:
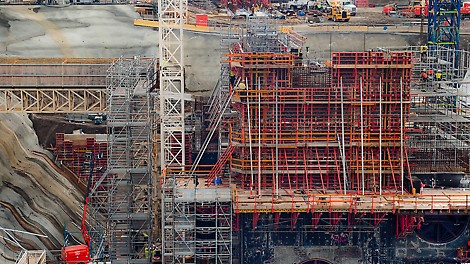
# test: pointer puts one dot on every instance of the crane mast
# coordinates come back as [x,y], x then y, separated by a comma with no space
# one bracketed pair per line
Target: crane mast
[170,38]
[171,16]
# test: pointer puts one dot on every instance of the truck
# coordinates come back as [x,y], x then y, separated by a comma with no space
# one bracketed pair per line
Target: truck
[337,13]
[297,4]
[348,6]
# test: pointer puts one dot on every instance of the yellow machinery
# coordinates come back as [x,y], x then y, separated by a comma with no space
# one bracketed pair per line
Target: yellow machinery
[337,13]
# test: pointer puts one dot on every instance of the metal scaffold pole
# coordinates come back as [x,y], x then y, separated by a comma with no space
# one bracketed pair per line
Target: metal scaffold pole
[342,148]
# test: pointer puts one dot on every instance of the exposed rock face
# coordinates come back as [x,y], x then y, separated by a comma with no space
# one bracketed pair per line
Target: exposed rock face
[34,197]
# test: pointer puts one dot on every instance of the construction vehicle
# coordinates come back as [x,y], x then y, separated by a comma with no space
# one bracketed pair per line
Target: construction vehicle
[81,253]
[345,4]
[465,10]
[416,8]
[337,13]
[391,9]
[97,118]
[348,6]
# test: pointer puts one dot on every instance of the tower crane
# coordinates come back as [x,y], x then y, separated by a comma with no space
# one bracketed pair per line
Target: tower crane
[171,16]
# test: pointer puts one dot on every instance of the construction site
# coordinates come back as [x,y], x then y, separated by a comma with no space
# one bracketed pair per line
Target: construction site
[249,143]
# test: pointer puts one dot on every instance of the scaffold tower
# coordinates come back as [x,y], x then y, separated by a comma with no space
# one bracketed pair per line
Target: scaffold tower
[126,189]
[444,23]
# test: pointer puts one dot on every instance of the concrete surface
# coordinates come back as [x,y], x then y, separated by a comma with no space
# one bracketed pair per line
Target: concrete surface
[108,31]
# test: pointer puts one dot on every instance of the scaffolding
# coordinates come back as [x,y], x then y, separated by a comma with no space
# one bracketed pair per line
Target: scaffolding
[356,136]
[123,195]
[438,127]
[262,34]
[201,221]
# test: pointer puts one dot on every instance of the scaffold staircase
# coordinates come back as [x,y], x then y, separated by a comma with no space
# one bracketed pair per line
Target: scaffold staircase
[223,92]
[217,169]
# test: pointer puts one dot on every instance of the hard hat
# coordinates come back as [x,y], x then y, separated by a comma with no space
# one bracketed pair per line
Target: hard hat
[241,86]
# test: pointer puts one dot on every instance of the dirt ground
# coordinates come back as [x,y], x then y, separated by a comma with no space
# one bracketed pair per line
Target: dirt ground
[47,125]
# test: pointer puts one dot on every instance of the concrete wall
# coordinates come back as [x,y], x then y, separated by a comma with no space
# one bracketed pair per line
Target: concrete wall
[108,31]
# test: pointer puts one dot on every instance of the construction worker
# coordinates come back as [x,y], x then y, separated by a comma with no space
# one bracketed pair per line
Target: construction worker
[146,250]
[422,52]
[232,78]
[424,75]
[438,75]
[430,73]
[196,180]
[439,78]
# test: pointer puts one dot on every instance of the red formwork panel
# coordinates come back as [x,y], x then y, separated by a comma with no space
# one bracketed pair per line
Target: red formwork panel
[300,150]
[72,154]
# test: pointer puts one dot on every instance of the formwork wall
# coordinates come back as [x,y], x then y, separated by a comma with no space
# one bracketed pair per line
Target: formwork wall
[71,153]
[293,134]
